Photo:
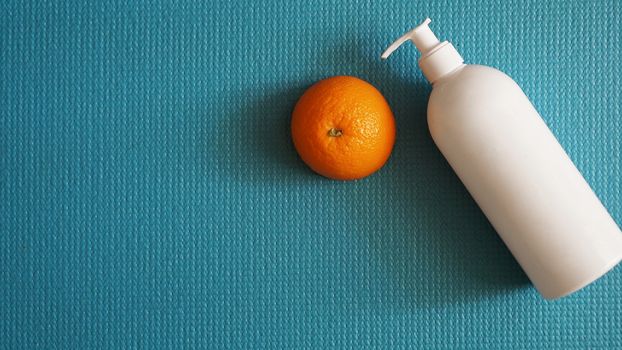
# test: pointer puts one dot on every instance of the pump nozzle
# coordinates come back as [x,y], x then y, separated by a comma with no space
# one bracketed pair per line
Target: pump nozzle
[421,36]
[437,58]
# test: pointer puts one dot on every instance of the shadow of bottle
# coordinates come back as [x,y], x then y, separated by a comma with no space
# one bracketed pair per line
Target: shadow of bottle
[443,250]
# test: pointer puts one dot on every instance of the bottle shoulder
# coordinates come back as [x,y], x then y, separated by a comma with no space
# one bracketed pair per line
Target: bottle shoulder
[474,85]
[473,77]
[474,95]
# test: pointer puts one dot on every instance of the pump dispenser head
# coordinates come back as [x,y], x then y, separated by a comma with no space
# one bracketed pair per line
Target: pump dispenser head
[437,58]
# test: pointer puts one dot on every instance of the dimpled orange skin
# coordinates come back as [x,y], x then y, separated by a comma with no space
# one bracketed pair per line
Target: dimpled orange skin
[343,128]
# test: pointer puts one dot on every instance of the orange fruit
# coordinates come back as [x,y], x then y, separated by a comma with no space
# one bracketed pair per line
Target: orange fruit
[343,128]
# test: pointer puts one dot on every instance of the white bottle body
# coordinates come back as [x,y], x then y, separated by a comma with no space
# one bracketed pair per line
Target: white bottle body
[522,179]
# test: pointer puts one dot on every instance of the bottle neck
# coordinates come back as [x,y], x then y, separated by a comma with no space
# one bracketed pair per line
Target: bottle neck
[440,61]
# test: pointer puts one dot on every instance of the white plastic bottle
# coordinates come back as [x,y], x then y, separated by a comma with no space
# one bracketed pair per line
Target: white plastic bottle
[516,171]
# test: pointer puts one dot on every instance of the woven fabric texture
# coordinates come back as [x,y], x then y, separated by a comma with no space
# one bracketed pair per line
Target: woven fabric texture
[150,196]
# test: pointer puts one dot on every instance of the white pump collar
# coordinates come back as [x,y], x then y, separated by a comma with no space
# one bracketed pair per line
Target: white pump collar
[437,58]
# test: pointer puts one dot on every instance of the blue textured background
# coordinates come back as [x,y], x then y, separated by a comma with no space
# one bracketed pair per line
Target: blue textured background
[150,195]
